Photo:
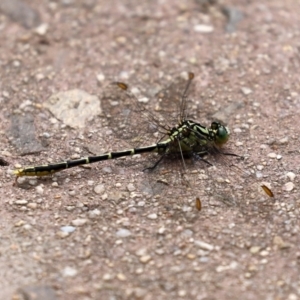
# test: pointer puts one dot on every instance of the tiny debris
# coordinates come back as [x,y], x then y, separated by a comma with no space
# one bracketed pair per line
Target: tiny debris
[198,204]
[267,190]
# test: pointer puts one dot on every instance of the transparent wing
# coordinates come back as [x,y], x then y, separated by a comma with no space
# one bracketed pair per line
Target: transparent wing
[142,123]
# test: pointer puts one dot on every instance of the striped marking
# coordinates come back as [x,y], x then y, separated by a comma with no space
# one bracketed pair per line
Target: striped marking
[49,169]
[190,136]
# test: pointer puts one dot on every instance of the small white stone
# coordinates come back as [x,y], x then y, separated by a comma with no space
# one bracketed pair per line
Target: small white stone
[21,202]
[69,272]
[182,293]
[32,205]
[145,259]
[100,77]
[291,176]
[259,167]
[67,229]
[272,155]
[246,91]
[152,216]
[161,230]
[288,187]
[123,233]
[42,29]
[39,189]
[203,28]
[130,187]
[99,189]
[94,213]
[284,141]
[237,130]
[203,245]
[79,222]
[107,277]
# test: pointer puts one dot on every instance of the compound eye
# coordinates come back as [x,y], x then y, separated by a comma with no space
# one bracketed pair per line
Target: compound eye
[222,133]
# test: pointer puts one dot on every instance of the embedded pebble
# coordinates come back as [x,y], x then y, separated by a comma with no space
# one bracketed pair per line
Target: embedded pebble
[69,272]
[121,277]
[161,230]
[67,229]
[284,141]
[272,155]
[32,182]
[107,277]
[79,222]
[94,213]
[289,186]
[254,249]
[259,167]
[130,187]
[39,189]
[21,202]
[32,205]
[152,216]
[123,232]
[107,170]
[203,28]
[233,265]
[99,189]
[63,234]
[246,91]
[291,176]
[182,293]
[145,259]
[264,253]
[237,130]
[100,77]
[141,252]
[278,241]
[72,193]
[42,29]
[27,226]
[203,245]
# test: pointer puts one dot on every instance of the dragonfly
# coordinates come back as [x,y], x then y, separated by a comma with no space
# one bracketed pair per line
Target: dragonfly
[187,138]
[180,140]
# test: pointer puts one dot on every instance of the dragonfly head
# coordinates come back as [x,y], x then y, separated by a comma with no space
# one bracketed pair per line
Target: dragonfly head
[221,133]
